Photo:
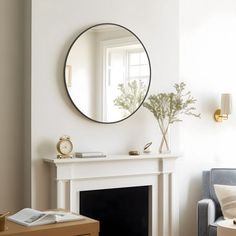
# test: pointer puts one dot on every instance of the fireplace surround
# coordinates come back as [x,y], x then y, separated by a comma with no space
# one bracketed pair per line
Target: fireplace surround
[69,177]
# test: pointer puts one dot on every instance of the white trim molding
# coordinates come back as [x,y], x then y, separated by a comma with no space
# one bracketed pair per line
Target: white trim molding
[70,176]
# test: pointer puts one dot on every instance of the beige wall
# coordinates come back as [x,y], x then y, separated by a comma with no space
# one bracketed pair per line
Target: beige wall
[11,104]
[27,103]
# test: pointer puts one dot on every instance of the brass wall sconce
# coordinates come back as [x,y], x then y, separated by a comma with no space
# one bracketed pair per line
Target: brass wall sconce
[225,108]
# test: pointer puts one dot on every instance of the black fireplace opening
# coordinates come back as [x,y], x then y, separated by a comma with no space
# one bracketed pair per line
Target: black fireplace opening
[121,211]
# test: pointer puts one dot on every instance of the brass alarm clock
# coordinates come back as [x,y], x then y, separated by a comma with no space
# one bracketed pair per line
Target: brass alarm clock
[64,147]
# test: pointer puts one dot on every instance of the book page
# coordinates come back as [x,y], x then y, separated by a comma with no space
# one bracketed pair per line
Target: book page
[61,216]
[27,217]
[31,217]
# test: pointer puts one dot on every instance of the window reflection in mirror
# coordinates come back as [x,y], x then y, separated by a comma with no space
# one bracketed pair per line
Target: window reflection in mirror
[107,73]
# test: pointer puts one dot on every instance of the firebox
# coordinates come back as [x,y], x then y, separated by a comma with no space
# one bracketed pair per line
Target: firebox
[121,211]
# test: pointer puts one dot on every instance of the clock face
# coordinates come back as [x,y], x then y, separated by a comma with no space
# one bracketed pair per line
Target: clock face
[65,147]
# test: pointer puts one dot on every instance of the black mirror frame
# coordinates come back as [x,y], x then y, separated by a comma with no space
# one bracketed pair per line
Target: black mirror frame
[149,62]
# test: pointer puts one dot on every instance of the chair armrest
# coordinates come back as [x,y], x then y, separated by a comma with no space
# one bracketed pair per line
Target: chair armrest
[206,215]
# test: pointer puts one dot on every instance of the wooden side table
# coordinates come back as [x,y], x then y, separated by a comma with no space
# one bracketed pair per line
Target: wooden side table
[226,228]
[85,227]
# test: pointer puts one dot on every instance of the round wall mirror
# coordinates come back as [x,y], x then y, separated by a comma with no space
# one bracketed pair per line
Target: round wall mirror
[107,73]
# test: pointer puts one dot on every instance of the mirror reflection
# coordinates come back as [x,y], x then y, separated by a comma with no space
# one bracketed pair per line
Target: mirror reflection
[107,73]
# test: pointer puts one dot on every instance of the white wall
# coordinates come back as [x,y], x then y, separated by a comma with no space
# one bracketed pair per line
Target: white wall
[55,24]
[207,65]
[11,105]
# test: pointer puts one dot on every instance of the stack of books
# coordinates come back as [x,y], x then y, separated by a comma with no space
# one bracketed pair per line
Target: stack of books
[89,154]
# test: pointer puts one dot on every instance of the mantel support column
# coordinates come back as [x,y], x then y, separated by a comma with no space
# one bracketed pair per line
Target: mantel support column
[63,194]
[167,212]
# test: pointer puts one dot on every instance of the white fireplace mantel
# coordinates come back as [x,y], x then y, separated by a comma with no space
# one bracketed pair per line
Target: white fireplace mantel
[70,176]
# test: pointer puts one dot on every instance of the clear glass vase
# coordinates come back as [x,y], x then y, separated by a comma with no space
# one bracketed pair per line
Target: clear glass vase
[165,142]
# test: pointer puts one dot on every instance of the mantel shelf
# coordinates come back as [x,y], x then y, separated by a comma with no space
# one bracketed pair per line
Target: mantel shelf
[110,158]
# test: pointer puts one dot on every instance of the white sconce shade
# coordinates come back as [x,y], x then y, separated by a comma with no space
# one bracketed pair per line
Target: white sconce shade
[225,109]
[226,104]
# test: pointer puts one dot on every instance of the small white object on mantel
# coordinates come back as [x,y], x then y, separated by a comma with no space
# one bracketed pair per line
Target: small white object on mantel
[71,176]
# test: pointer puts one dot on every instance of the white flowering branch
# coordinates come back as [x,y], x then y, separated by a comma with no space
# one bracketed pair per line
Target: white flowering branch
[168,108]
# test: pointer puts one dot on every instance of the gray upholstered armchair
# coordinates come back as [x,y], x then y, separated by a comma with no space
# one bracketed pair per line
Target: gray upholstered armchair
[209,211]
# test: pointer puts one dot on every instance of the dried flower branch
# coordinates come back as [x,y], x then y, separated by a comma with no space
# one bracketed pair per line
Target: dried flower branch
[131,96]
[168,108]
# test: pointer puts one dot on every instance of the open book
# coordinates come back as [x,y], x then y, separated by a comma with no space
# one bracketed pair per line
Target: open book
[31,217]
